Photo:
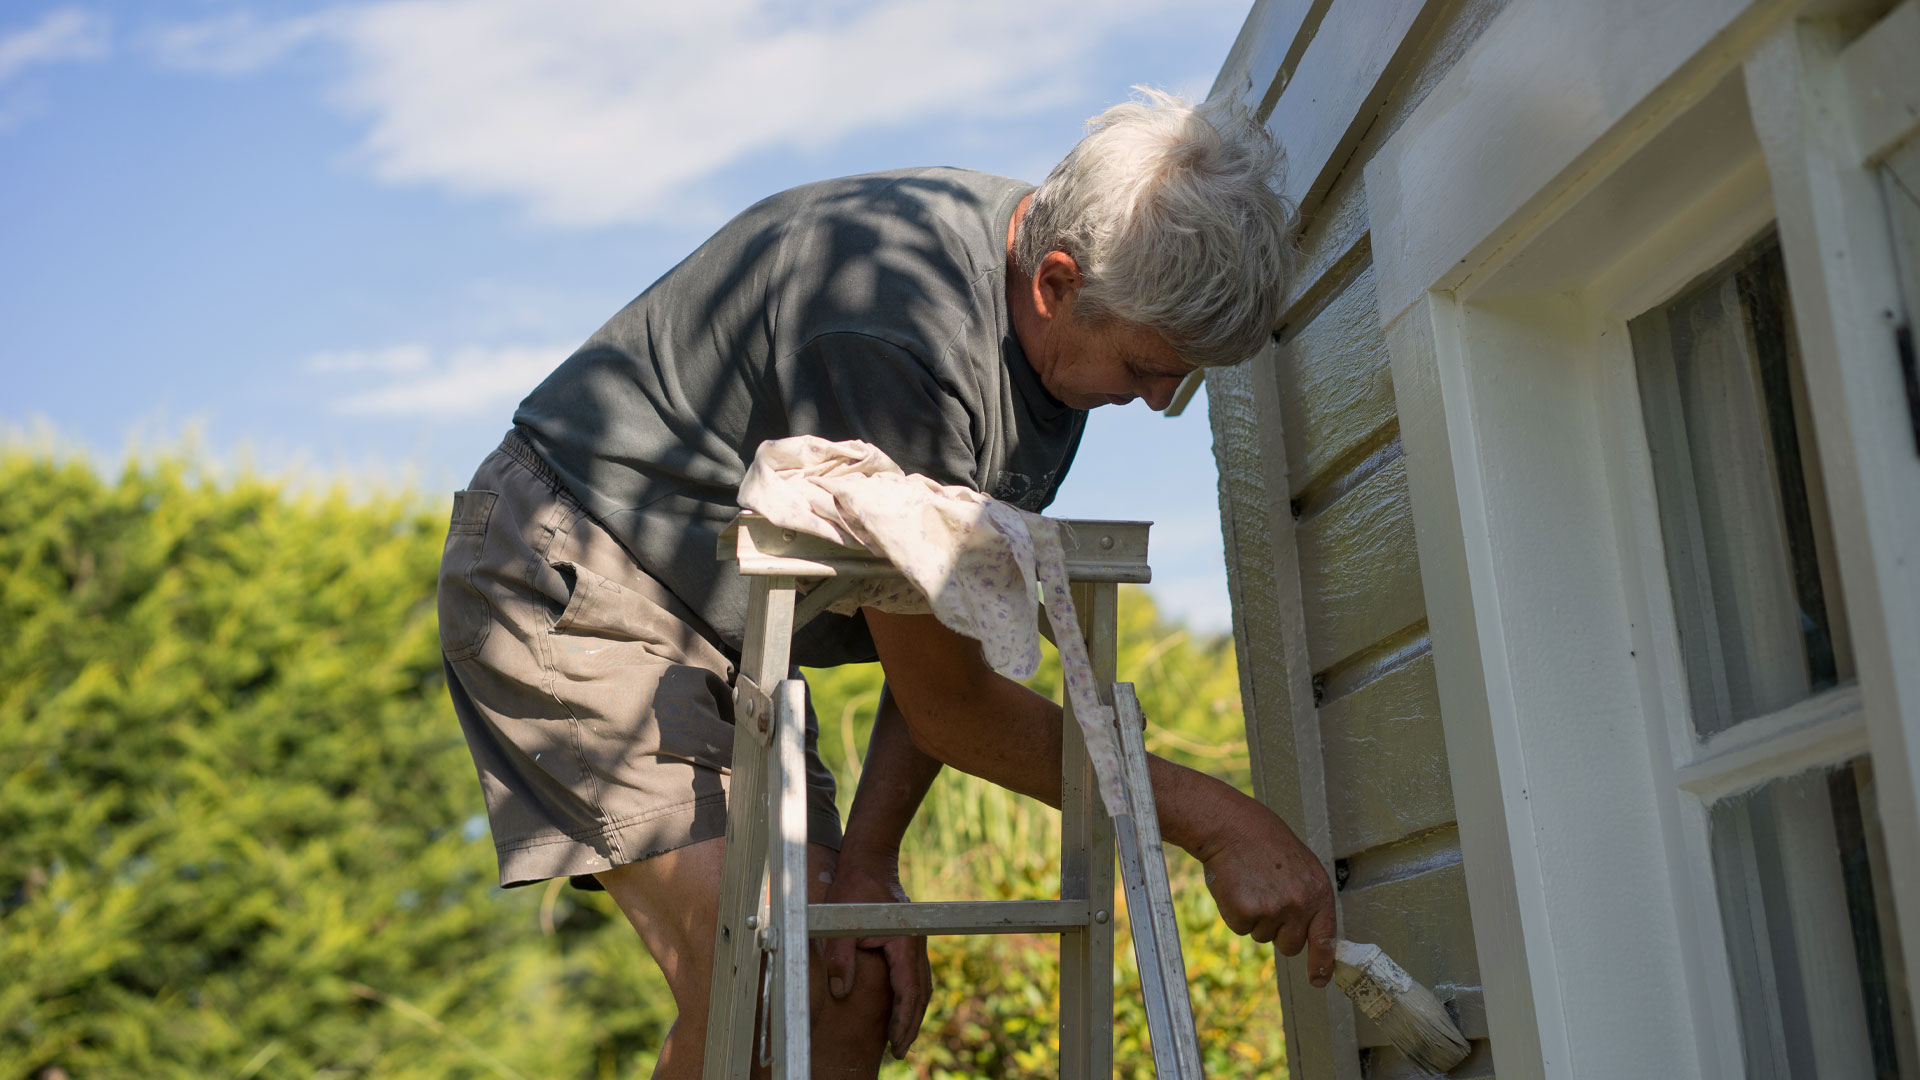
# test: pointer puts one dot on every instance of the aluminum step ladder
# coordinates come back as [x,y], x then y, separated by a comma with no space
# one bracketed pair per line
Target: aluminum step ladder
[760,953]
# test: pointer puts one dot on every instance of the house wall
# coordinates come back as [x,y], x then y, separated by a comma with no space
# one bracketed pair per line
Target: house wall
[1532,179]
[1342,708]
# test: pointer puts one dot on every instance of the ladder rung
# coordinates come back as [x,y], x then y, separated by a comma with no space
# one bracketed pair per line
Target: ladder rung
[961,917]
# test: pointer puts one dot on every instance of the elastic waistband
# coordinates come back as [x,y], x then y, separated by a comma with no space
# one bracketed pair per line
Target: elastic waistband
[516,446]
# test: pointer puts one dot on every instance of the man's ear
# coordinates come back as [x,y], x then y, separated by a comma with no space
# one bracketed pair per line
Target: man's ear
[1056,282]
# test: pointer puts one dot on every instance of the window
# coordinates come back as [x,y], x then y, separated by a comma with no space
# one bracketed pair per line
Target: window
[1749,548]
[1800,865]
[1798,862]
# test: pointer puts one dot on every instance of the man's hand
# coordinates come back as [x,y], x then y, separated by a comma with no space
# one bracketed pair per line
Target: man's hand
[1270,886]
[868,879]
[959,711]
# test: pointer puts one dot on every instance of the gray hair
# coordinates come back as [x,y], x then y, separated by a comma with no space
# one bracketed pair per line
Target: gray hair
[1170,209]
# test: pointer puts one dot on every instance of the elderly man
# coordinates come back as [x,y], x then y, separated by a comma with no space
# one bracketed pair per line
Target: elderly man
[962,323]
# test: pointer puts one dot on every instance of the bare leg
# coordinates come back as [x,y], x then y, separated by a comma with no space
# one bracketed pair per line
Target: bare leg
[673,901]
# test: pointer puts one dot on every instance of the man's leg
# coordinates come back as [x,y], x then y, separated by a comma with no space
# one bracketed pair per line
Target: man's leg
[673,901]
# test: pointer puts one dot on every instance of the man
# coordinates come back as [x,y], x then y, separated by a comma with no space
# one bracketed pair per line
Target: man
[962,323]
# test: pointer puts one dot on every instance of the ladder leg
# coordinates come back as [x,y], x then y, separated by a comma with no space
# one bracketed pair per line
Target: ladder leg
[1156,933]
[787,890]
[1086,865]
[736,952]
[1146,951]
[743,878]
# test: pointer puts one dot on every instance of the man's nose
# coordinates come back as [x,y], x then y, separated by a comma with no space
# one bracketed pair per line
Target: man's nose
[1158,392]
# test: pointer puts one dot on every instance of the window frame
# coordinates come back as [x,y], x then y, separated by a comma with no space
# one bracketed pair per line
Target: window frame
[1583,796]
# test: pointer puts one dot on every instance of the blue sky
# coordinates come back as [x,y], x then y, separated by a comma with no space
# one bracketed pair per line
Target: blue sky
[347,238]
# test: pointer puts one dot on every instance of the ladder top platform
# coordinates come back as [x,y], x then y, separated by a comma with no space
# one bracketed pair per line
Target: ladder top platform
[1098,551]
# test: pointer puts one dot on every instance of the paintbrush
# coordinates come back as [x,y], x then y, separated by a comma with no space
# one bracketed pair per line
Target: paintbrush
[1406,1012]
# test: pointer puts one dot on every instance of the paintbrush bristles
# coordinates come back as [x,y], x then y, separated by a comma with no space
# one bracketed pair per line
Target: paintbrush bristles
[1406,1012]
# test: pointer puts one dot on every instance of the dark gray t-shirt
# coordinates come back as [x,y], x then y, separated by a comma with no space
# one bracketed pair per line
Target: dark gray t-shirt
[870,307]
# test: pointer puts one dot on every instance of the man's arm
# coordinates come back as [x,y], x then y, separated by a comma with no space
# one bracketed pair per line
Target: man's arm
[894,778]
[960,711]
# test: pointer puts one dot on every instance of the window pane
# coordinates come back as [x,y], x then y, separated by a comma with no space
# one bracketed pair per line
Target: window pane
[1800,870]
[1741,512]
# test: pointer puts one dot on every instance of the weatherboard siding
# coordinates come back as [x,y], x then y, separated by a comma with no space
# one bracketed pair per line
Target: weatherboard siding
[1329,609]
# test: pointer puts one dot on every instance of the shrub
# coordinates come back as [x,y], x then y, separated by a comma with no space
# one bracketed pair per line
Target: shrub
[243,836]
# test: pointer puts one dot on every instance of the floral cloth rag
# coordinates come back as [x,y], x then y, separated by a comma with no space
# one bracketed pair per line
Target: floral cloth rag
[971,560]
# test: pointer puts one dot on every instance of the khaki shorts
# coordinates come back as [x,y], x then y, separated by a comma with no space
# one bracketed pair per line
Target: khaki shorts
[598,707]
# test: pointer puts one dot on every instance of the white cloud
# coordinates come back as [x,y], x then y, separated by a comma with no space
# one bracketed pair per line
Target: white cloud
[392,360]
[463,382]
[62,35]
[601,111]
[597,117]
[234,44]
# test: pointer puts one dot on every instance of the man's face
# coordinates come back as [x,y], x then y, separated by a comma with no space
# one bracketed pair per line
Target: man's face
[1112,363]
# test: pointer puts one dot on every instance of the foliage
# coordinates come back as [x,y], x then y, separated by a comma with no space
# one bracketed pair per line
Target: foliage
[995,1010]
[243,835]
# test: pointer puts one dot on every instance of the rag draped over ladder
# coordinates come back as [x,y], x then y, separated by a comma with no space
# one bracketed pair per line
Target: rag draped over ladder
[970,560]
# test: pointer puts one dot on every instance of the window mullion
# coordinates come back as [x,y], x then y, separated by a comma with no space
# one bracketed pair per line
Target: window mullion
[1819,731]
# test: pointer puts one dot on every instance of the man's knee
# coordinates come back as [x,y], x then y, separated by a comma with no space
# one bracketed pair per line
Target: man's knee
[860,1018]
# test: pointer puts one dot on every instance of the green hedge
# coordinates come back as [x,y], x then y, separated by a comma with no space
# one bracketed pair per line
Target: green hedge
[243,837]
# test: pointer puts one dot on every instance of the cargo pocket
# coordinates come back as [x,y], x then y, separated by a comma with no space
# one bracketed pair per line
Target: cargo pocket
[600,607]
[465,616]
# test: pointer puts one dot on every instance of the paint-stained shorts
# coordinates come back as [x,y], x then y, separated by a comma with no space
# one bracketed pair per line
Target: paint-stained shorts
[597,706]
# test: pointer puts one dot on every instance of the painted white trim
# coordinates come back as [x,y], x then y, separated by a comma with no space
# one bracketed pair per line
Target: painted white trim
[1707,231]
[1514,1022]
[1820,731]
[1532,500]
[1521,970]
[1553,96]
[1596,925]
[1843,277]
[1880,83]
[1552,957]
